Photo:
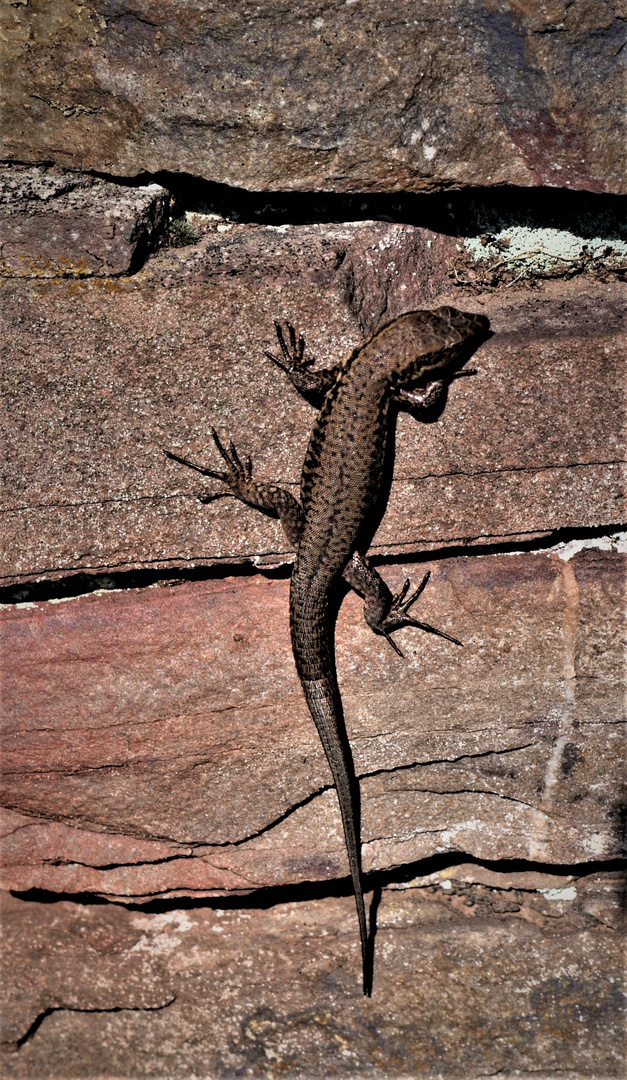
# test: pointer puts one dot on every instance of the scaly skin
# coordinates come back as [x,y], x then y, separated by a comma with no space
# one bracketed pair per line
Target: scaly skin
[340,488]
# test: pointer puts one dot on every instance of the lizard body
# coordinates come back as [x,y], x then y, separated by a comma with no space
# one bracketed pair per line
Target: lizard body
[411,360]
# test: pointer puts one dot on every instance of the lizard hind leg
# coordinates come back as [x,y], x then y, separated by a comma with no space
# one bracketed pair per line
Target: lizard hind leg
[398,616]
[384,611]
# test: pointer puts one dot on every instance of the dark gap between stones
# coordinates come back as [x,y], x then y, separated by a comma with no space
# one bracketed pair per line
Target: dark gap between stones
[81,583]
[467,212]
[319,890]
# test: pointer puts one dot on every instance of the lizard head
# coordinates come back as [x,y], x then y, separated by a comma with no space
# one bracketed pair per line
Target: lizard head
[462,324]
[440,341]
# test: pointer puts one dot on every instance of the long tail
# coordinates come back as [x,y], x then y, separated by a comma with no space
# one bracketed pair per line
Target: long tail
[325,706]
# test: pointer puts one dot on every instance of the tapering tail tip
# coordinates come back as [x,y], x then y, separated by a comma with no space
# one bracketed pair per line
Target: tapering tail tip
[367,946]
[325,706]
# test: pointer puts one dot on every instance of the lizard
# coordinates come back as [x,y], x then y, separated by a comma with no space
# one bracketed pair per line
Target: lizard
[409,362]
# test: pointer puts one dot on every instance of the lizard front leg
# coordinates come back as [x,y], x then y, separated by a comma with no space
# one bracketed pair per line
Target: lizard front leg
[270,499]
[385,611]
[426,399]
[312,385]
[423,401]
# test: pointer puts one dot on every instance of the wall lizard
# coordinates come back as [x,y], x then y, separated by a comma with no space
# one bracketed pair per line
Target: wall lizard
[410,361]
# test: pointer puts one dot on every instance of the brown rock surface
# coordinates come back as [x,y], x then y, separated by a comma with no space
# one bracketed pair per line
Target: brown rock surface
[158,760]
[311,96]
[156,741]
[95,991]
[100,376]
[58,224]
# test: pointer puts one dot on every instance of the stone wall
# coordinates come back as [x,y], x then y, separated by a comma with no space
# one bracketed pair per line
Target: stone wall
[175,179]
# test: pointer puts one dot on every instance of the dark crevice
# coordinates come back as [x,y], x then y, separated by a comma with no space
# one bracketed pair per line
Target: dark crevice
[474,546]
[471,211]
[81,582]
[466,212]
[39,1019]
[305,891]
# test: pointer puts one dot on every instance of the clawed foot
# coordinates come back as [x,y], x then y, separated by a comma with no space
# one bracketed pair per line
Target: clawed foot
[293,353]
[237,475]
[313,385]
[398,616]
[463,374]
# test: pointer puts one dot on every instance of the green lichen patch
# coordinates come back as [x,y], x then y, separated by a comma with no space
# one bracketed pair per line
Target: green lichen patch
[521,252]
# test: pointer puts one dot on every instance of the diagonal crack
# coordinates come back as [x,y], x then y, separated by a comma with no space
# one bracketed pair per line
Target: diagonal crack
[444,760]
[196,844]
[280,819]
[39,1019]
[18,828]
[362,776]
[186,853]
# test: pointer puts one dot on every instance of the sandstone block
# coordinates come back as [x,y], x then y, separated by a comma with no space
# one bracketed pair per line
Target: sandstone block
[96,991]
[316,97]
[156,742]
[102,376]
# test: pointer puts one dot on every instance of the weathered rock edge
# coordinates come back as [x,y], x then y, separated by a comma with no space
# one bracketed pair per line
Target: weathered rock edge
[57,224]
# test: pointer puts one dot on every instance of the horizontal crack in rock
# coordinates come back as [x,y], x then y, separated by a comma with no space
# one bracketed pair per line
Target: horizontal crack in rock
[508,469]
[160,496]
[82,580]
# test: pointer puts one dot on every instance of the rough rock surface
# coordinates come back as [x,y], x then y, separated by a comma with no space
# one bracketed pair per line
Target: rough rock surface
[101,991]
[59,224]
[316,96]
[181,902]
[101,375]
[157,741]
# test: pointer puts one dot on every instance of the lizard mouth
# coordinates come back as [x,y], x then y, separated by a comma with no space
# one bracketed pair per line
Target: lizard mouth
[453,360]
[461,353]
